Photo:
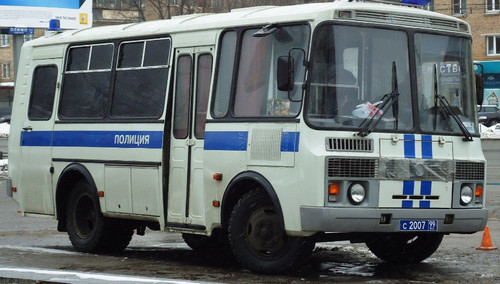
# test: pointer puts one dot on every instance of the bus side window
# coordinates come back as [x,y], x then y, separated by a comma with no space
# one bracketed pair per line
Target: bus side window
[86,82]
[182,95]
[204,74]
[141,79]
[224,74]
[42,93]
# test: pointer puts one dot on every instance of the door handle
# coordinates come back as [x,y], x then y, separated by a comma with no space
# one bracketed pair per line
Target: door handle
[27,128]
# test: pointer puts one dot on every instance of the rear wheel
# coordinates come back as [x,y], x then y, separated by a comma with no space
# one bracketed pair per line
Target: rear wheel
[88,230]
[258,239]
[404,247]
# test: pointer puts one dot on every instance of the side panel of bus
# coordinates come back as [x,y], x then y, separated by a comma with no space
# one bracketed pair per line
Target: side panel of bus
[42,78]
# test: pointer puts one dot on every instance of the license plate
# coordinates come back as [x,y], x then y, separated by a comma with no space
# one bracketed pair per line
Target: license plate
[418,225]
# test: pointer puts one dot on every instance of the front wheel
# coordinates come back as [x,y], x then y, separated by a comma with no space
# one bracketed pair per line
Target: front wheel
[404,247]
[258,239]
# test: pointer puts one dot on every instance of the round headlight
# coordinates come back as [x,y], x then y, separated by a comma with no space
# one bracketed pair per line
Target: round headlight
[356,193]
[466,194]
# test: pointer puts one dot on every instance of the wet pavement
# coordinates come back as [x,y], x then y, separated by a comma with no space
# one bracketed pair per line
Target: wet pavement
[32,243]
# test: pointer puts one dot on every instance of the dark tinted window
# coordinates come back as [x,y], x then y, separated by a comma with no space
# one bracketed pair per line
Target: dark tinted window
[157,52]
[84,95]
[86,82]
[182,94]
[204,74]
[131,55]
[78,58]
[42,93]
[224,74]
[141,79]
[102,56]
[139,93]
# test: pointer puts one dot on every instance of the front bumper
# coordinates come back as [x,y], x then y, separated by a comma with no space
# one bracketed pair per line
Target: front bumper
[347,220]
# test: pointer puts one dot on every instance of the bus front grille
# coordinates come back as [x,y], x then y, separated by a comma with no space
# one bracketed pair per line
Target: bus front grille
[466,170]
[352,168]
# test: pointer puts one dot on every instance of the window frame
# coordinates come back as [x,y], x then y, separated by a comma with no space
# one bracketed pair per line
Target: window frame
[107,117]
[459,7]
[495,48]
[492,6]
[33,90]
[6,70]
[230,112]
[4,40]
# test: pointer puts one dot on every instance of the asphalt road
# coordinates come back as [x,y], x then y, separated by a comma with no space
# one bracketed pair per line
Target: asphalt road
[31,248]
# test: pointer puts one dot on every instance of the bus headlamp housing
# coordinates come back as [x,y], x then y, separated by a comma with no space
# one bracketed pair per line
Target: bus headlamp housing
[356,193]
[466,195]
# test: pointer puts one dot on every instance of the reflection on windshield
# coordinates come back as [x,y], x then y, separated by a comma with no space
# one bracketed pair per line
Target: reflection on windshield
[351,70]
[451,80]
[351,73]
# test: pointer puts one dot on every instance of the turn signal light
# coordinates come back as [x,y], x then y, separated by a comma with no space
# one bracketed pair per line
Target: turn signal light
[479,191]
[333,192]
[333,189]
[216,203]
[14,189]
[217,176]
[100,193]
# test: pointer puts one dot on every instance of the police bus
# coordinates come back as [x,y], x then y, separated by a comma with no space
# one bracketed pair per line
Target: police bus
[266,130]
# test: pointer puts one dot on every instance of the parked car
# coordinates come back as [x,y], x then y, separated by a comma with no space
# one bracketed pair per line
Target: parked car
[488,115]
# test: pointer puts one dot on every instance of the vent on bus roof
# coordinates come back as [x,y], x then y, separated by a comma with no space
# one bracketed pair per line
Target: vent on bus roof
[469,170]
[352,168]
[349,144]
[412,20]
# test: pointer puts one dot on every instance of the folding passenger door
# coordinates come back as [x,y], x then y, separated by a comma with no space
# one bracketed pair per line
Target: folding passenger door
[186,197]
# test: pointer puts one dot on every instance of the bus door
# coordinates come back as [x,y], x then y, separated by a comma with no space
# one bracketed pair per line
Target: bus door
[35,188]
[193,73]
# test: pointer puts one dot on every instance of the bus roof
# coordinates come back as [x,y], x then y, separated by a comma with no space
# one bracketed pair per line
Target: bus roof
[361,11]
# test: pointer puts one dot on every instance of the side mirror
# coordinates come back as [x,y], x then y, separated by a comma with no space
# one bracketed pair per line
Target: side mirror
[479,89]
[285,73]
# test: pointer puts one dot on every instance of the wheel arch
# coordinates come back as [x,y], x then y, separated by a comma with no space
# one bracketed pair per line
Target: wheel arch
[72,174]
[241,185]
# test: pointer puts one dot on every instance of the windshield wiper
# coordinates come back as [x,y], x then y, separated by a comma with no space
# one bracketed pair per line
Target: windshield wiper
[442,101]
[370,123]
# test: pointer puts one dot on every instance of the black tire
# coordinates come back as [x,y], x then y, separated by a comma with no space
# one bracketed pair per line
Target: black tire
[88,230]
[259,241]
[404,247]
[216,241]
[199,242]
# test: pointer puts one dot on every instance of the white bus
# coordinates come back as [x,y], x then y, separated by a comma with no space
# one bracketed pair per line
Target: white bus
[265,129]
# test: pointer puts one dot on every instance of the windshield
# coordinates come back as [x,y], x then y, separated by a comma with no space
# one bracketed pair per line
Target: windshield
[444,60]
[352,71]
[357,70]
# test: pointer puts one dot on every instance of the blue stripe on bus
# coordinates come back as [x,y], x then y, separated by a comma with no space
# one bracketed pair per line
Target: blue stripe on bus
[425,187]
[104,139]
[407,204]
[409,146]
[238,141]
[426,147]
[226,140]
[408,187]
[37,138]
[425,204]
[290,141]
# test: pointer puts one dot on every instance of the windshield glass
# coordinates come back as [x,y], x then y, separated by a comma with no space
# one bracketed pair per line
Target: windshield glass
[444,59]
[352,71]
